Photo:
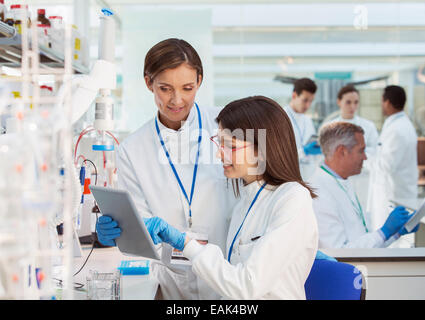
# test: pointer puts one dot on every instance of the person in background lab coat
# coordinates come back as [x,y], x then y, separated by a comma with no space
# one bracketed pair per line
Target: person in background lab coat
[272,239]
[340,216]
[302,97]
[348,102]
[394,171]
[168,165]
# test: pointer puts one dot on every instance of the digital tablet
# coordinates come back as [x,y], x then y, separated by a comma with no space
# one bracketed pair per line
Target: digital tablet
[135,239]
[413,221]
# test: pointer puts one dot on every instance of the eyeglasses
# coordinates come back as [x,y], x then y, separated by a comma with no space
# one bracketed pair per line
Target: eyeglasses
[224,148]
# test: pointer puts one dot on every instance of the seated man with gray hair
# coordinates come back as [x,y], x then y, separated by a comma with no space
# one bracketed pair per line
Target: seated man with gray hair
[341,219]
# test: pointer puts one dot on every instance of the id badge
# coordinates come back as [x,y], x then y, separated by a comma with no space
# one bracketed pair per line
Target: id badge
[177,256]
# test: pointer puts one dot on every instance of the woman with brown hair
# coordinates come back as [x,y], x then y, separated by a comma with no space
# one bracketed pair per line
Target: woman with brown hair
[348,100]
[165,167]
[273,236]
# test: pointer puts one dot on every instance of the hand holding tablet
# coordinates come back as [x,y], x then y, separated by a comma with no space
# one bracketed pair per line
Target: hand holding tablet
[134,238]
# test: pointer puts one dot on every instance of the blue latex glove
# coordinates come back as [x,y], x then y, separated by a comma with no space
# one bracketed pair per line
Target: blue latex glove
[161,231]
[403,231]
[395,221]
[321,256]
[312,148]
[107,231]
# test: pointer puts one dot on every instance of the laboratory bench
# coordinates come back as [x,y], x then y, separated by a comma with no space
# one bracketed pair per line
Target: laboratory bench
[390,273]
[107,260]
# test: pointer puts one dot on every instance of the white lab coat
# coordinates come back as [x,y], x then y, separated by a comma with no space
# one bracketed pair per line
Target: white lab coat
[361,181]
[394,170]
[144,171]
[340,225]
[276,265]
[303,129]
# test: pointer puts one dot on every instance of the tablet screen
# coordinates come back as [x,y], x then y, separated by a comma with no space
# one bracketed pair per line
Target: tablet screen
[135,239]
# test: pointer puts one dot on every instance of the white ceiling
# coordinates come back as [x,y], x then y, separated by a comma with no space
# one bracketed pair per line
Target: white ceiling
[370,38]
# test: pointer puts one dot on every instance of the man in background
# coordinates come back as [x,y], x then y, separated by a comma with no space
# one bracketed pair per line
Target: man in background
[302,97]
[340,217]
[394,171]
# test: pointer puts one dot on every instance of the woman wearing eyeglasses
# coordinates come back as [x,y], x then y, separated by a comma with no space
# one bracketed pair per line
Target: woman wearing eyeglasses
[273,236]
[167,167]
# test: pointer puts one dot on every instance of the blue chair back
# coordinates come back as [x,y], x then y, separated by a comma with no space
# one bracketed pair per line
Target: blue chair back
[331,280]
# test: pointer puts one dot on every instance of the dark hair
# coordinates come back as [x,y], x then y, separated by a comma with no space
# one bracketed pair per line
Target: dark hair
[396,96]
[169,54]
[280,150]
[346,89]
[304,84]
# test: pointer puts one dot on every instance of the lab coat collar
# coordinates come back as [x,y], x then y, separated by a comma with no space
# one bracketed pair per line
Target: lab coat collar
[250,189]
[393,118]
[353,120]
[336,175]
[337,178]
[293,112]
[186,124]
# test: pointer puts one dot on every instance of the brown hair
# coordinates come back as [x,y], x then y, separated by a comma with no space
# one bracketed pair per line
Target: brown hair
[280,150]
[169,54]
[346,89]
[304,84]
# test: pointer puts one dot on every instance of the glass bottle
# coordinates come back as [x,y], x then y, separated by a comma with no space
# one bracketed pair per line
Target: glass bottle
[9,19]
[2,10]
[41,17]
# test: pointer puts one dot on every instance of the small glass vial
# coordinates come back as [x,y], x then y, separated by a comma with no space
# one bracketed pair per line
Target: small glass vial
[21,13]
[41,17]
[17,24]
[56,22]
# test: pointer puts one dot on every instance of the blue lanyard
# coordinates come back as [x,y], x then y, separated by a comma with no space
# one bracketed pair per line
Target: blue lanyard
[195,169]
[243,221]
[301,134]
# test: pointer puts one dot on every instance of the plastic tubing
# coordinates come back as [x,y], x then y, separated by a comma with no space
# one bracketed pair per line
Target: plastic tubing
[81,156]
[84,132]
[116,140]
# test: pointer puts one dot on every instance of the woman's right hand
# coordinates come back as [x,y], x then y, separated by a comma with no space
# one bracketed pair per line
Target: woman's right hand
[107,230]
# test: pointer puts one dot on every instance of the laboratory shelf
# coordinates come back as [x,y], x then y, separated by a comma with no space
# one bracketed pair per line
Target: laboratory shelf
[11,52]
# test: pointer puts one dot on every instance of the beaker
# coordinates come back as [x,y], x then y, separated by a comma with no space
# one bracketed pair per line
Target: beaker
[103,286]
